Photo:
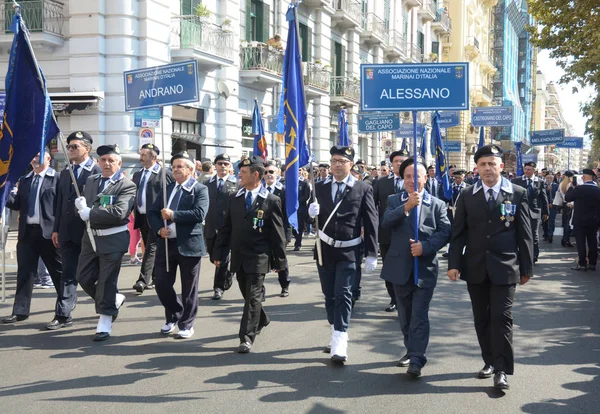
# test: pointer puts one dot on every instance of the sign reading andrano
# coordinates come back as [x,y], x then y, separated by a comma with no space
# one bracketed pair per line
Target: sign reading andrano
[161,85]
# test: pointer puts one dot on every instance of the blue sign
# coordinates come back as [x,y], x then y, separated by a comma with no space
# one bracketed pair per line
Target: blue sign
[547,137]
[414,87]
[449,119]
[453,146]
[406,131]
[571,142]
[2,103]
[161,85]
[529,158]
[492,116]
[378,122]
[272,122]
[147,118]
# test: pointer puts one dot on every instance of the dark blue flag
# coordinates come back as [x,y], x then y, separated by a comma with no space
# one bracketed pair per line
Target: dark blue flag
[441,169]
[258,129]
[28,121]
[423,149]
[343,128]
[519,159]
[481,137]
[404,146]
[293,113]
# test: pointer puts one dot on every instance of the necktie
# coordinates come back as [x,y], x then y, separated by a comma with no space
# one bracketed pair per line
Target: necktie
[491,201]
[175,200]
[269,189]
[529,187]
[397,185]
[139,199]
[220,186]
[76,168]
[338,193]
[433,188]
[103,181]
[248,201]
[33,196]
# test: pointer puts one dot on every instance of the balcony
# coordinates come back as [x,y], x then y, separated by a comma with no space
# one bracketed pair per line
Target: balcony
[487,65]
[260,65]
[480,93]
[415,53]
[395,46]
[348,14]
[317,4]
[344,91]
[204,42]
[430,58]
[413,3]
[442,24]
[374,31]
[489,3]
[427,12]
[472,48]
[317,80]
[44,19]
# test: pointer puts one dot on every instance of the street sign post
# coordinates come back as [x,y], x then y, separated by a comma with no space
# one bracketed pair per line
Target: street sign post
[406,130]
[547,137]
[453,146]
[147,118]
[492,116]
[571,142]
[449,119]
[378,122]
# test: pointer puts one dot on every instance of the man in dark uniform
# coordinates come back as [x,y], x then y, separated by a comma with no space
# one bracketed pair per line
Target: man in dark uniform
[586,218]
[492,250]
[149,187]
[551,190]
[323,172]
[303,196]
[345,207]
[220,187]
[253,232]
[457,186]
[111,196]
[384,169]
[68,228]
[187,206]
[538,202]
[34,200]
[432,185]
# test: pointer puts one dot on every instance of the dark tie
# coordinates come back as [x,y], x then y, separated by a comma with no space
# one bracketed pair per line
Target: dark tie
[33,196]
[220,186]
[76,168]
[456,190]
[433,188]
[176,196]
[491,201]
[397,185]
[269,189]
[338,193]
[141,189]
[248,201]
[529,187]
[103,181]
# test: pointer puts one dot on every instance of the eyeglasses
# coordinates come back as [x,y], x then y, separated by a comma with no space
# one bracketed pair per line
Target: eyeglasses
[269,172]
[223,164]
[73,146]
[340,161]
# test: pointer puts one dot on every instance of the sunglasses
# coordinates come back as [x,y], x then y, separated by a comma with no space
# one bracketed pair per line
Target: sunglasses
[73,146]
[269,172]
[223,164]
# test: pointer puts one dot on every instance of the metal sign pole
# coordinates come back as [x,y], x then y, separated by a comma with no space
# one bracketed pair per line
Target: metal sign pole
[416,182]
[568,158]
[164,181]
[4,237]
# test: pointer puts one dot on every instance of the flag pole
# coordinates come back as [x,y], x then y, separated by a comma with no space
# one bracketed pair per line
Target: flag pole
[164,183]
[416,182]
[4,238]
[312,175]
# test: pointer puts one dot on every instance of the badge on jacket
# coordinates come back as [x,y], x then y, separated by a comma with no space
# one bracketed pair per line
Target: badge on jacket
[258,221]
[106,201]
[507,211]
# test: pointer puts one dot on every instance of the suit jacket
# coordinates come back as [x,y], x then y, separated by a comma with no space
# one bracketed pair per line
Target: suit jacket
[536,196]
[219,200]
[116,214]
[188,217]
[46,200]
[434,233]
[256,244]
[279,191]
[153,190]
[587,204]
[357,211]
[503,252]
[303,195]
[438,188]
[383,188]
[67,223]
[551,193]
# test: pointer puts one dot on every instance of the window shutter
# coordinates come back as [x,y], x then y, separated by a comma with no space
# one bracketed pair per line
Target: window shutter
[249,20]
[309,45]
[343,69]
[332,58]
[265,22]
[186,7]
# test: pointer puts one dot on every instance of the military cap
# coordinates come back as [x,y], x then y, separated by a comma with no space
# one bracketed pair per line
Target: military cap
[431,167]
[182,156]
[360,161]
[80,135]
[253,160]
[530,164]
[108,149]
[151,147]
[383,163]
[408,162]
[357,169]
[458,172]
[490,150]
[588,171]
[344,151]
[324,165]
[451,166]
[399,153]
[222,157]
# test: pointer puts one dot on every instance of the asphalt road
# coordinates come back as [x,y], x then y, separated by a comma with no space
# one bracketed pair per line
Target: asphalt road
[557,346]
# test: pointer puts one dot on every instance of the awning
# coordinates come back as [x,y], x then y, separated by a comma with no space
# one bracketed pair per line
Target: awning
[71,101]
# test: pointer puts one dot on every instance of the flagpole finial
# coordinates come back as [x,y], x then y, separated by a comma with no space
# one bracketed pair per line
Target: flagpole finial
[16,6]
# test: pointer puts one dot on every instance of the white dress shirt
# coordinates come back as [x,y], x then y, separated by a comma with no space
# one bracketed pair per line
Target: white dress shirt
[36,214]
[334,186]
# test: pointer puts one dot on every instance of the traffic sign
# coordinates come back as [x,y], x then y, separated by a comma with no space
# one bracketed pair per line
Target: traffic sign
[547,137]
[146,136]
[453,146]
[406,130]
[571,142]
[378,122]
[448,119]
[147,118]
[414,87]
[161,85]
[492,116]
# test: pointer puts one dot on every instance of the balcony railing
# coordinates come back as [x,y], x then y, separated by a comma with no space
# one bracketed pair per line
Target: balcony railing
[317,76]
[343,86]
[352,7]
[415,53]
[444,20]
[429,7]
[396,41]
[39,15]
[207,37]
[472,41]
[259,56]
[374,24]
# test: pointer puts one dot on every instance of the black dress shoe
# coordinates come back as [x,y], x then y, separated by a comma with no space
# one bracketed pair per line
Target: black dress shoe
[260,327]
[217,295]
[58,323]
[580,268]
[15,318]
[285,292]
[139,287]
[550,239]
[404,361]
[327,349]
[339,359]
[244,348]
[391,307]
[297,248]
[500,381]
[264,294]
[486,371]
[414,370]
[101,336]
[569,244]
[445,255]
[591,267]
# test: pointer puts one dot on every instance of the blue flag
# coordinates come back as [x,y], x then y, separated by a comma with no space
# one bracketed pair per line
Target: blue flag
[441,170]
[404,146]
[481,137]
[28,121]
[519,159]
[343,128]
[258,129]
[423,149]
[293,112]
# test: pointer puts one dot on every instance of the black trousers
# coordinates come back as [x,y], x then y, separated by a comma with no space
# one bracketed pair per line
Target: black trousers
[535,229]
[150,239]
[566,217]
[284,278]
[389,286]
[181,311]
[29,250]
[586,236]
[223,277]
[492,313]
[253,316]
[302,217]
[67,288]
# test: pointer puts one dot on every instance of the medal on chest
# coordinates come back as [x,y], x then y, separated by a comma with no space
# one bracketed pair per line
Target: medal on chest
[106,201]
[258,221]
[507,211]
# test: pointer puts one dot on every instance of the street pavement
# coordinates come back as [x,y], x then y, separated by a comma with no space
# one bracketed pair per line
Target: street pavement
[557,348]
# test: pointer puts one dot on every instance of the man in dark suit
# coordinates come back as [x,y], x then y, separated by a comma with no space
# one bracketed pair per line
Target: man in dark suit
[148,181]
[538,201]
[458,185]
[302,213]
[68,228]
[34,200]
[187,206]
[432,185]
[107,203]
[551,189]
[253,232]
[345,207]
[323,172]
[220,187]
[586,219]
[413,299]
[384,169]
[492,250]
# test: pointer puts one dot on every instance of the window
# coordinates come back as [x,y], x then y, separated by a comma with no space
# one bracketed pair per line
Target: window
[338,58]
[387,11]
[186,128]
[188,6]
[306,42]
[257,21]
[421,41]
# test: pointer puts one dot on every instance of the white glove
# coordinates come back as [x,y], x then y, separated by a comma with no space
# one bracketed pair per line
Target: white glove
[84,213]
[314,209]
[80,203]
[370,263]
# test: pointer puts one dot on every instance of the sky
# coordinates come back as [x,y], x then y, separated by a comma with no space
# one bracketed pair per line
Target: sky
[570,102]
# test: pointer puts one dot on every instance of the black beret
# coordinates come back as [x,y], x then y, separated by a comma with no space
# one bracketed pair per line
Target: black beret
[181,155]
[408,162]
[383,163]
[451,166]
[151,147]
[530,164]
[568,173]
[324,165]
[347,152]
[458,172]
[360,161]
[490,150]
[430,167]
[108,149]
[357,169]
[80,135]
[588,171]
[399,153]
[222,157]
[253,160]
